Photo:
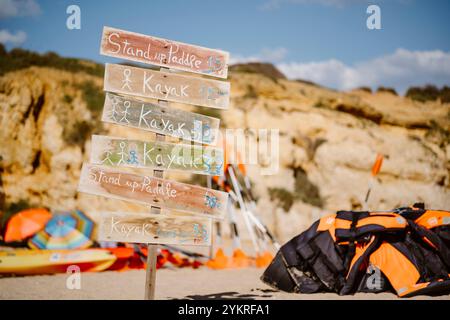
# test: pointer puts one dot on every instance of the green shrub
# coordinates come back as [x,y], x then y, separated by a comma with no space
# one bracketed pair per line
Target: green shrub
[78,133]
[423,94]
[366,89]
[321,105]
[266,69]
[251,92]
[2,50]
[18,58]
[68,98]
[93,95]
[445,94]
[387,89]
[284,197]
[438,134]
[304,191]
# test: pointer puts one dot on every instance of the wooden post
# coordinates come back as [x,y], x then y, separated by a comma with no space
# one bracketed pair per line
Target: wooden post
[150,272]
[211,247]
[152,249]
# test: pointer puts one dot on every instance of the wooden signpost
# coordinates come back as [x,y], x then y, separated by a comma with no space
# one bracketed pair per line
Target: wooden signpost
[130,112]
[123,152]
[180,214]
[166,86]
[164,53]
[150,190]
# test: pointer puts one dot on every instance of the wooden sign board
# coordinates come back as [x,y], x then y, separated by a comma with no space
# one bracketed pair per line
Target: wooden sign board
[155,228]
[121,152]
[149,190]
[166,86]
[165,53]
[153,117]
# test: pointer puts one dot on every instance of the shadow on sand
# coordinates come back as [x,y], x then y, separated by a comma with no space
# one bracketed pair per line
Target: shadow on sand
[232,295]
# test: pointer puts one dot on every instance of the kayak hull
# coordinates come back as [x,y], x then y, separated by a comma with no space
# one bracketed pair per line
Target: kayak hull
[33,262]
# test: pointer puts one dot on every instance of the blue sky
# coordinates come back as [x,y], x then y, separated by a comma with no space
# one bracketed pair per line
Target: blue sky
[326,41]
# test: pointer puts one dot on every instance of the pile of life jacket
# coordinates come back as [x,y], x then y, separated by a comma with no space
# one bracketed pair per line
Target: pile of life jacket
[406,251]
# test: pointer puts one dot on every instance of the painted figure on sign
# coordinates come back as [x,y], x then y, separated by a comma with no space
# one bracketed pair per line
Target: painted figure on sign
[122,153]
[213,166]
[214,63]
[107,158]
[126,79]
[200,232]
[207,138]
[207,161]
[197,130]
[133,159]
[114,112]
[125,113]
[211,201]
[213,93]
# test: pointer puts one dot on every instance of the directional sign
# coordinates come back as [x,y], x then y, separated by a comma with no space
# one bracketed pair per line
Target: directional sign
[166,228]
[161,52]
[153,117]
[103,181]
[166,86]
[111,151]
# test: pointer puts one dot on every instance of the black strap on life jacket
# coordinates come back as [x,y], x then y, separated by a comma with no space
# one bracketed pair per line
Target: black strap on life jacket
[439,245]
[412,213]
[355,215]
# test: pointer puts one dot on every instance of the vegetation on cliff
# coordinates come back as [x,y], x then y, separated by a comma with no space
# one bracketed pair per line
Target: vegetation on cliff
[17,59]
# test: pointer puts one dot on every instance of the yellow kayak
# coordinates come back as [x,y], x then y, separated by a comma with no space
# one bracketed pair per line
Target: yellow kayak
[32,262]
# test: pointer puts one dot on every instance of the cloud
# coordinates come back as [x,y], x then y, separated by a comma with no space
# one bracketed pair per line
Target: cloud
[18,8]
[274,4]
[15,39]
[401,69]
[266,55]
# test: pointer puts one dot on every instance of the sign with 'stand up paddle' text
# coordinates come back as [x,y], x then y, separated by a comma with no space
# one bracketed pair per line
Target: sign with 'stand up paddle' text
[144,189]
[165,53]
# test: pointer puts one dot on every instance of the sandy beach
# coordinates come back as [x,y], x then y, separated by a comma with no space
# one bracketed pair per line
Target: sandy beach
[202,283]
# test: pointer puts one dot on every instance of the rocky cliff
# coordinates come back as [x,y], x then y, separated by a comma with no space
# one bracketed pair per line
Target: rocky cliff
[328,142]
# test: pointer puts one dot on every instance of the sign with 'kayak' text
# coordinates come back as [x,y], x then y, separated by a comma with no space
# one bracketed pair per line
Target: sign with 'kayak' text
[123,152]
[161,52]
[103,181]
[166,86]
[167,228]
[153,117]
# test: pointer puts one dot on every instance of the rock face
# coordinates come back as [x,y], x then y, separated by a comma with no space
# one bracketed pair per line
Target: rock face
[42,110]
[328,142]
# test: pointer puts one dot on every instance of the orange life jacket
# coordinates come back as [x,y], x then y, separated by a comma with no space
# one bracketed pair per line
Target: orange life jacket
[406,250]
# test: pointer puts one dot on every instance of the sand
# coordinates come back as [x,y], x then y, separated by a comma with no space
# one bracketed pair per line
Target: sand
[186,283]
